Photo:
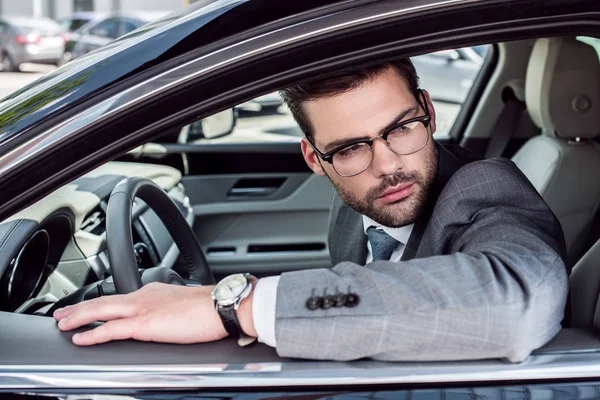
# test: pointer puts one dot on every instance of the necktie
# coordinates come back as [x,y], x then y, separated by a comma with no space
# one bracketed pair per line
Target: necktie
[382,244]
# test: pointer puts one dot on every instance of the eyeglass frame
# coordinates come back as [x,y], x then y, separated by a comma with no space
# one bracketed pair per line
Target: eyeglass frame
[425,119]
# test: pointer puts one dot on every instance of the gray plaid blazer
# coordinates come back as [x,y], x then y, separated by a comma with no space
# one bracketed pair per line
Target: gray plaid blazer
[482,276]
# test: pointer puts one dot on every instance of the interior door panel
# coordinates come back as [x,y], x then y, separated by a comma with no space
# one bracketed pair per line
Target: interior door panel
[272,223]
[258,207]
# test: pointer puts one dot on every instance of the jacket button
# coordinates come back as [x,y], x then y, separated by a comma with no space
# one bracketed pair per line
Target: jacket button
[313,303]
[328,302]
[340,299]
[352,300]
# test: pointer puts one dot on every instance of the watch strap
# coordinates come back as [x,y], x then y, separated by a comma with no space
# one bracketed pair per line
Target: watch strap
[230,320]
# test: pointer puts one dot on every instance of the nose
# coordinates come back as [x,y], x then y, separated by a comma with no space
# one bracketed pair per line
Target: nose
[385,161]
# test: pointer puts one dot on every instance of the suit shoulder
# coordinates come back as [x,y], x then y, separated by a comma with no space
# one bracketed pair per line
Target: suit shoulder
[494,181]
[493,168]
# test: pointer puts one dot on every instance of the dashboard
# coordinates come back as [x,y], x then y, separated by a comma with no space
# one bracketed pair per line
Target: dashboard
[58,245]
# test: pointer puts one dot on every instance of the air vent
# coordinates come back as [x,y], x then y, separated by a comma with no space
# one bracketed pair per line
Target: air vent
[95,222]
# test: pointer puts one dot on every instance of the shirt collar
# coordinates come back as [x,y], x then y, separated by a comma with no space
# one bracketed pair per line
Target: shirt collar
[400,234]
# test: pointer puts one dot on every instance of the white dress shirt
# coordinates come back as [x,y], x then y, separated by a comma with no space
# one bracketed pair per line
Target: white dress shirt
[265,293]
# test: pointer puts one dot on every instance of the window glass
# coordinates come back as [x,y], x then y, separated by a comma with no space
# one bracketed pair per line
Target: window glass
[127,27]
[109,29]
[76,24]
[447,75]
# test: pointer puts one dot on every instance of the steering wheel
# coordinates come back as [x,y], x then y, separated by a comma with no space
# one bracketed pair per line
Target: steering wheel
[119,237]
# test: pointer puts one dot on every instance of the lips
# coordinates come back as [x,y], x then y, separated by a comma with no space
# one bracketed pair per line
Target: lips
[395,193]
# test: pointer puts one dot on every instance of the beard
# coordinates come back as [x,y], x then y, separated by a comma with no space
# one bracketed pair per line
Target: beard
[404,211]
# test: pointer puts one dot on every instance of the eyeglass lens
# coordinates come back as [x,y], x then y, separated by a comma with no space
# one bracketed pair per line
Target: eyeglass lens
[404,139]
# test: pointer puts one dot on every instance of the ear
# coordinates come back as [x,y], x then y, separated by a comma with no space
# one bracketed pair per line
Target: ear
[311,158]
[431,110]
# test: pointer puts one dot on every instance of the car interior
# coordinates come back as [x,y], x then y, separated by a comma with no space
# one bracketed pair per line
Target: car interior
[254,206]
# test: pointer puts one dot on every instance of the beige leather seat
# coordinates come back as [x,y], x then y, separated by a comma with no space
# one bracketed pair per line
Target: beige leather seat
[562,93]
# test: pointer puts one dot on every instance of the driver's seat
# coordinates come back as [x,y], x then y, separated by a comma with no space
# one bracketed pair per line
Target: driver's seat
[562,93]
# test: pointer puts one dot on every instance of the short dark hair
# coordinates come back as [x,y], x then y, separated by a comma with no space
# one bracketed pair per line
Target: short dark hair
[341,82]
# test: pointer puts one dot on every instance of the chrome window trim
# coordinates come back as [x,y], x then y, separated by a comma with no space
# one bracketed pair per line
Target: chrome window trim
[184,73]
[551,367]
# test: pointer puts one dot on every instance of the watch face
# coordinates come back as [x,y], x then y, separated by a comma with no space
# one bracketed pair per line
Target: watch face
[229,289]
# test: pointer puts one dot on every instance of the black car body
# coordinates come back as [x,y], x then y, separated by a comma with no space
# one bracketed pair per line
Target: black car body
[211,57]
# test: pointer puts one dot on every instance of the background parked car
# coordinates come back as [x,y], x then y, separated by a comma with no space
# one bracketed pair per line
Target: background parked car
[79,19]
[27,39]
[101,31]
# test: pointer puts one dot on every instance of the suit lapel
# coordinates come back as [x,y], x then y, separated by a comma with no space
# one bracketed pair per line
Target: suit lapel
[351,241]
[449,161]
[347,239]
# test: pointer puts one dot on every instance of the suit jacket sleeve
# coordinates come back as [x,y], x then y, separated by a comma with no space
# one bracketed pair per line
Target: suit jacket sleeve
[495,286]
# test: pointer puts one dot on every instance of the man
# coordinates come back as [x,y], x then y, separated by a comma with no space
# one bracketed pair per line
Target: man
[437,255]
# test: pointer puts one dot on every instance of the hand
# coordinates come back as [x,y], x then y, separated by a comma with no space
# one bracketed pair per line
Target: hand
[157,312]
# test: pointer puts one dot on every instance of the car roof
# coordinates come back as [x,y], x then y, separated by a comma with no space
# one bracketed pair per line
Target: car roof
[21,20]
[84,15]
[141,15]
[147,16]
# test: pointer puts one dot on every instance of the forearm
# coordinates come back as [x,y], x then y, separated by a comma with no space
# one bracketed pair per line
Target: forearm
[459,306]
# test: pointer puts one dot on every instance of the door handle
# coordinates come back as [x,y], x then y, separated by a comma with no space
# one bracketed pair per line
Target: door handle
[251,191]
[255,187]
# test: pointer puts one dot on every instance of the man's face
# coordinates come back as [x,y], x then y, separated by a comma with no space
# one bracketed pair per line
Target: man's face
[393,190]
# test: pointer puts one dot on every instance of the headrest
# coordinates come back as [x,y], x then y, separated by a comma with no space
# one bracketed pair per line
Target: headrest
[562,88]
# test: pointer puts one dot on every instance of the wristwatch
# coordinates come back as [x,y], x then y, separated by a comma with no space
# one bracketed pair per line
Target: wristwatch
[228,294]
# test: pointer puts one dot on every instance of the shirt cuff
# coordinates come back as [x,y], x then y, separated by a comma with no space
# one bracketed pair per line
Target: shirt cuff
[264,303]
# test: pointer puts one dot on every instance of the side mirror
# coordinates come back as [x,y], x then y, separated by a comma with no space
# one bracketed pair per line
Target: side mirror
[452,56]
[213,127]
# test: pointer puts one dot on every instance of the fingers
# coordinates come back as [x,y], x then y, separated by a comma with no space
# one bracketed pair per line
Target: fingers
[119,329]
[100,309]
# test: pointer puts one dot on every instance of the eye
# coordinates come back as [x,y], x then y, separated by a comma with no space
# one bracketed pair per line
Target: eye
[404,128]
[351,150]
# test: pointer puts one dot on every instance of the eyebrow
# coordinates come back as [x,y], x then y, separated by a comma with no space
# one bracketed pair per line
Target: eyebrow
[398,118]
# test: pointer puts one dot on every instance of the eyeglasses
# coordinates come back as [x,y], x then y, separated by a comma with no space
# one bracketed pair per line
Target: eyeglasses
[403,138]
